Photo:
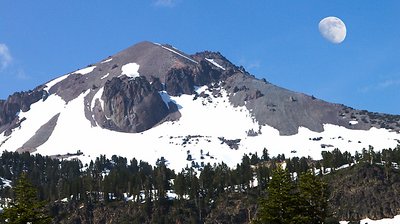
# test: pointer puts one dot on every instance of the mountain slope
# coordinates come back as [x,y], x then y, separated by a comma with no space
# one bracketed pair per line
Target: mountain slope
[151,101]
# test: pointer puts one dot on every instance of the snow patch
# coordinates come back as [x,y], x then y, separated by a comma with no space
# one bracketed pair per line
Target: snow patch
[130,70]
[55,81]
[105,76]
[98,96]
[85,71]
[353,122]
[165,97]
[6,182]
[394,220]
[176,52]
[107,60]
[215,63]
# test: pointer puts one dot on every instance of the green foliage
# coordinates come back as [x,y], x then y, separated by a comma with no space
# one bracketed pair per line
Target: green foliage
[107,181]
[290,202]
[313,196]
[26,208]
[280,206]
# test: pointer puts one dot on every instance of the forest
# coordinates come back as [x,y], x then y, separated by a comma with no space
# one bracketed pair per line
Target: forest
[196,194]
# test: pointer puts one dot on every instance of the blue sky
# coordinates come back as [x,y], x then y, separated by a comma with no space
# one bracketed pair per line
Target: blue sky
[276,40]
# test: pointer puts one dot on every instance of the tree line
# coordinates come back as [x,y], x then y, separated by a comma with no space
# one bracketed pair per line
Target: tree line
[158,189]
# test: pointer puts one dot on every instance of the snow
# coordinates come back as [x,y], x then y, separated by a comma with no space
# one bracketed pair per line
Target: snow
[6,182]
[55,81]
[215,63]
[171,195]
[165,97]
[105,76]
[98,96]
[107,60]
[204,119]
[39,114]
[128,197]
[130,70]
[394,220]
[353,122]
[85,71]
[176,52]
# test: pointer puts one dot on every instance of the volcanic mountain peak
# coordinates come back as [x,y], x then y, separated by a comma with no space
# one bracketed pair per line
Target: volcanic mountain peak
[156,98]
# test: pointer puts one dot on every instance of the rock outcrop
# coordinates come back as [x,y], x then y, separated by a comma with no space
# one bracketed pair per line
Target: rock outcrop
[20,101]
[179,81]
[132,105]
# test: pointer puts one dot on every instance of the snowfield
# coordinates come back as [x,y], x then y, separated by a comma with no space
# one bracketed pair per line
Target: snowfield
[394,220]
[215,63]
[55,81]
[107,60]
[85,71]
[131,70]
[192,139]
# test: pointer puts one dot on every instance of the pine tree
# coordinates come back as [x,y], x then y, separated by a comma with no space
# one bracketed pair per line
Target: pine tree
[313,198]
[281,204]
[26,208]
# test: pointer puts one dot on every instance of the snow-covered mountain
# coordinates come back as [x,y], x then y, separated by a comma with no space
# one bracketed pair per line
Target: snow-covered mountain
[152,100]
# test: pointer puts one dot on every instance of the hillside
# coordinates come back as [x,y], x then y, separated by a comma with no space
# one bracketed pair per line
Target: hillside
[151,100]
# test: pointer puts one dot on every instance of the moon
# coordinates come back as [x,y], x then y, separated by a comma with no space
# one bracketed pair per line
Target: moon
[333,29]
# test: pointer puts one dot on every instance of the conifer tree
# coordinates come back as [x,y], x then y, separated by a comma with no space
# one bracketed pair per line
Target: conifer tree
[26,208]
[280,206]
[313,198]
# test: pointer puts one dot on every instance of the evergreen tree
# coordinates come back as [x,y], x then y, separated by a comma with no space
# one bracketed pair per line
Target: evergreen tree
[287,202]
[280,206]
[26,208]
[313,198]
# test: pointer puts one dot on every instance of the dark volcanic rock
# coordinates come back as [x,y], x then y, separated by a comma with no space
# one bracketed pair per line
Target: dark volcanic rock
[179,81]
[132,105]
[19,101]
[156,83]
[205,74]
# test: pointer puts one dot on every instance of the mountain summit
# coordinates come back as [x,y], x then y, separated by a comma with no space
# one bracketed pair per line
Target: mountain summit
[152,100]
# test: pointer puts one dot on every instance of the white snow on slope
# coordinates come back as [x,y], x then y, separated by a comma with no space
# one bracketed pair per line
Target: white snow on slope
[98,96]
[55,81]
[107,60]
[394,220]
[85,71]
[176,52]
[39,114]
[353,122]
[204,119]
[130,70]
[215,63]
[105,76]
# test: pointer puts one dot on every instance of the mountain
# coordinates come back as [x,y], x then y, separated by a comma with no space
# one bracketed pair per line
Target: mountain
[151,101]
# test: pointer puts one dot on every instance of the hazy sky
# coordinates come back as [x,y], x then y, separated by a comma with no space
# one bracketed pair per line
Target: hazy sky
[276,40]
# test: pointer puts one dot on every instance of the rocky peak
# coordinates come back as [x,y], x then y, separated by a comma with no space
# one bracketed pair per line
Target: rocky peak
[132,104]
[135,104]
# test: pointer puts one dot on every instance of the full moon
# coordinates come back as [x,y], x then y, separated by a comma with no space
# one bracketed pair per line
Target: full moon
[332,29]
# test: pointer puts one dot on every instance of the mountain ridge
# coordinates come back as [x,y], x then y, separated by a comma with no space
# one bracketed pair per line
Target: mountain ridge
[151,86]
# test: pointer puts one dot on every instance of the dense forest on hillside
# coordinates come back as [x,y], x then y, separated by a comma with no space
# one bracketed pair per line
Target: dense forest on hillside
[118,190]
